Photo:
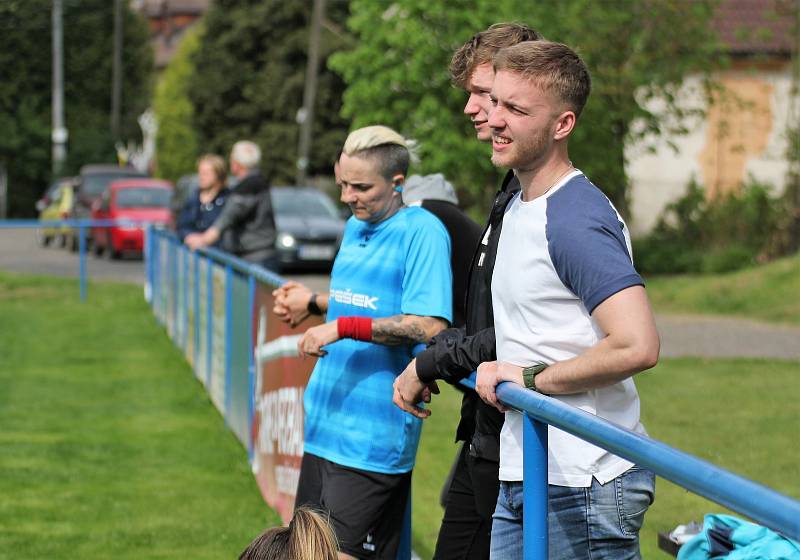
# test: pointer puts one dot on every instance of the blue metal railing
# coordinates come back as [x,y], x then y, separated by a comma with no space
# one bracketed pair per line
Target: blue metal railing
[81,226]
[760,503]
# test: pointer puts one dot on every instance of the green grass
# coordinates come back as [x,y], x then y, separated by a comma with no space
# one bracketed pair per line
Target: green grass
[109,448]
[739,414]
[770,292]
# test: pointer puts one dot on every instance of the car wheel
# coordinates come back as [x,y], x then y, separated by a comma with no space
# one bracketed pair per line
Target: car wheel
[111,254]
[97,249]
[44,240]
[62,241]
[73,243]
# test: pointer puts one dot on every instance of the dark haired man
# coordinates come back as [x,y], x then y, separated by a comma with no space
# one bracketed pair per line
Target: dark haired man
[455,353]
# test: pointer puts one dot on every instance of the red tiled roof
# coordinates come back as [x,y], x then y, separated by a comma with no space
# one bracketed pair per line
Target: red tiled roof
[758,26]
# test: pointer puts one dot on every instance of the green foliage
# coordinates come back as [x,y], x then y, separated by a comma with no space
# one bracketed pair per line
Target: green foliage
[177,143]
[26,84]
[249,76]
[637,51]
[111,448]
[728,233]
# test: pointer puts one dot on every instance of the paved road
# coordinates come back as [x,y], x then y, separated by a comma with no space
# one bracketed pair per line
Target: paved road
[20,252]
[680,335]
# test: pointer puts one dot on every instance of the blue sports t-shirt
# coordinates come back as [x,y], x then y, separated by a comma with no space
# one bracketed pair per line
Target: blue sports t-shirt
[398,266]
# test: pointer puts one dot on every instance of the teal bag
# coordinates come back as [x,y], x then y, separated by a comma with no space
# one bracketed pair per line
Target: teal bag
[731,538]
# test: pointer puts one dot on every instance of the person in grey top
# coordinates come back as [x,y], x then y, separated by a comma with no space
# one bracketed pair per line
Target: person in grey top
[246,224]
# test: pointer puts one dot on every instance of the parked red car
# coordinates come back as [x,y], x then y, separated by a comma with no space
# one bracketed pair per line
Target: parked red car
[146,200]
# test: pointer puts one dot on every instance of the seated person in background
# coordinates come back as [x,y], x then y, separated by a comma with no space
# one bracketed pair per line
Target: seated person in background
[390,290]
[203,206]
[308,537]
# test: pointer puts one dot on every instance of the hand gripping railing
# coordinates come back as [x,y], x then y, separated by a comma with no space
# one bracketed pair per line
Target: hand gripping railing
[758,502]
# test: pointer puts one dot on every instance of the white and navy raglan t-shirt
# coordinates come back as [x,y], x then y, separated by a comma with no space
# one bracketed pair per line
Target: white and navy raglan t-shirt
[560,256]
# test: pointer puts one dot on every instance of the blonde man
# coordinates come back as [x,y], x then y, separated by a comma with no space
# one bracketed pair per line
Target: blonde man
[572,318]
[390,290]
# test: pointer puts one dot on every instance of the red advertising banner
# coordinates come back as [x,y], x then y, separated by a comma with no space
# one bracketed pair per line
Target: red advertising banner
[281,378]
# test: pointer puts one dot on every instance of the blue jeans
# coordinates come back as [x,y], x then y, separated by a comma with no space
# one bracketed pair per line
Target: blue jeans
[595,523]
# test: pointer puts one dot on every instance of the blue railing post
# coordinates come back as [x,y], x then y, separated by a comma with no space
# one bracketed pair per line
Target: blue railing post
[251,362]
[228,340]
[534,509]
[196,265]
[82,261]
[209,320]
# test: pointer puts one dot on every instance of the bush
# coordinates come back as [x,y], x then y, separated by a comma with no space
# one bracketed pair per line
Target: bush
[730,232]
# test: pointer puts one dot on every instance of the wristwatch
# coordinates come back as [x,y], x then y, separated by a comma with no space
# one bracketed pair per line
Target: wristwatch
[529,375]
[313,308]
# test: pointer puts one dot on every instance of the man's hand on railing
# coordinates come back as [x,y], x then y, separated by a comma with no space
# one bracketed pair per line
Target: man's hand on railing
[291,303]
[490,374]
[409,391]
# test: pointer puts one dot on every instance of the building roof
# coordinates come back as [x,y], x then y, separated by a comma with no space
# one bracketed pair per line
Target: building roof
[758,26]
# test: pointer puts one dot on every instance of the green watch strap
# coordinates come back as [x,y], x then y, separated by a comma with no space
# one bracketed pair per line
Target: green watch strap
[529,375]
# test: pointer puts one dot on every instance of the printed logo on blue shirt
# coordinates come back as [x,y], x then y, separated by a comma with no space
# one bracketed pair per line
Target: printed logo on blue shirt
[358,300]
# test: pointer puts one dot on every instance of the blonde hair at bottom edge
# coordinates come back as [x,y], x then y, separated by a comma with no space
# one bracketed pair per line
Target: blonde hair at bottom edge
[309,536]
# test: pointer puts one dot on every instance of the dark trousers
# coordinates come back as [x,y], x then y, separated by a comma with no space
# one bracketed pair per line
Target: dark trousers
[471,499]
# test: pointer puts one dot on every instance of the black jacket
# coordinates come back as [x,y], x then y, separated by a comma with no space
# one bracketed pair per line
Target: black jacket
[246,220]
[455,353]
[464,236]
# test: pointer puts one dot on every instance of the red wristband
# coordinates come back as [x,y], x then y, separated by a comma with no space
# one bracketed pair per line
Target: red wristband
[357,328]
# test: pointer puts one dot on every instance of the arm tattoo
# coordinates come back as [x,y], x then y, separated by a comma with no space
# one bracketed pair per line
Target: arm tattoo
[403,329]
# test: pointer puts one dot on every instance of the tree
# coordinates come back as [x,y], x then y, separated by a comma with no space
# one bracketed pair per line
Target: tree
[25,89]
[248,82]
[177,144]
[636,50]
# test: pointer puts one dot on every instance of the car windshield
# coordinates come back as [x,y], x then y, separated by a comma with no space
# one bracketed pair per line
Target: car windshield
[297,202]
[94,185]
[143,197]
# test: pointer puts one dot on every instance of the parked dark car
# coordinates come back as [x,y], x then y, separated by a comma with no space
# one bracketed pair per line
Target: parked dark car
[309,227]
[92,182]
[184,188]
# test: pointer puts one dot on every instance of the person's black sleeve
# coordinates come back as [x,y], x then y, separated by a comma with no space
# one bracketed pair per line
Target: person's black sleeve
[452,355]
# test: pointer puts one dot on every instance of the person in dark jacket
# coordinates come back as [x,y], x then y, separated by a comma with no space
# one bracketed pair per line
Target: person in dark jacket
[436,195]
[455,353]
[204,205]
[247,218]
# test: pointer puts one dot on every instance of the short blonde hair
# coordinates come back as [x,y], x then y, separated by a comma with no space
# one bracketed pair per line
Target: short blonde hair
[552,67]
[217,163]
[392,151]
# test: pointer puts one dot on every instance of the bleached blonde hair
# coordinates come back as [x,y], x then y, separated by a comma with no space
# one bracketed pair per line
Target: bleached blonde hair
[392,151]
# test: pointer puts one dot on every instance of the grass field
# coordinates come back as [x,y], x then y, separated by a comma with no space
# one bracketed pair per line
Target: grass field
[768,293]
[110,448]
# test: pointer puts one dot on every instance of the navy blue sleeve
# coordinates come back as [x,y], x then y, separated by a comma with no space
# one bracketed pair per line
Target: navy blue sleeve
[187,218]
[587,244]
